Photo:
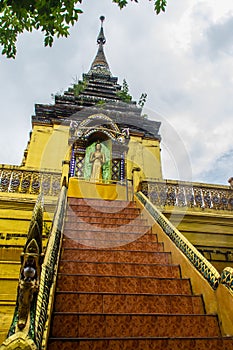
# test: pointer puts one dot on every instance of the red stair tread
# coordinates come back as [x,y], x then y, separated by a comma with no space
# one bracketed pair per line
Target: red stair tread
[104,255]
[107,227]
[122,284]
[128,303]
[120,269]
[105,235]
[85,211]
[101,220]
[119,325]
[101,203]
[103,210]
[113,245]
[157,343]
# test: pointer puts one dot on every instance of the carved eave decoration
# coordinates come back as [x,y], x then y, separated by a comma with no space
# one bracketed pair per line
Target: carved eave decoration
[98,124]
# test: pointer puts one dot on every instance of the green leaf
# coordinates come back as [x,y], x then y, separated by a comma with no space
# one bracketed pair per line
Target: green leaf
[121,3]
[53,17]
[160,5]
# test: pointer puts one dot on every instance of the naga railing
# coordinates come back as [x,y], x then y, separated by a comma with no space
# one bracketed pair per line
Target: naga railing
[207,270]
[31,320]
[49,274]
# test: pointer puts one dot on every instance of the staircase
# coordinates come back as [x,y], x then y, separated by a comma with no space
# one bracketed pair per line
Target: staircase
[118,289]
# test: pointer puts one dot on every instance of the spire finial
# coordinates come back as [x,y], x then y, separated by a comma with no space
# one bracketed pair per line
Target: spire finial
[102,18]
[101,38]
[100,64]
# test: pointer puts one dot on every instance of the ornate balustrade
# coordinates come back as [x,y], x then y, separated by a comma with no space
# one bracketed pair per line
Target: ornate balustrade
[194,256]
[17,180]
[188,194]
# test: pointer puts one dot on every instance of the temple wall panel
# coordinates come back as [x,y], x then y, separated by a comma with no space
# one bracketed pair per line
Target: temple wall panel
[134,156]
[151,159]
[48,147]
[145,154]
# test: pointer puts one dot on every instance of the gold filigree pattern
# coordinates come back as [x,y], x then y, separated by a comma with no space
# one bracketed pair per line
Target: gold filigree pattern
[29,182]
[49,273]
[227,277]
[191,195]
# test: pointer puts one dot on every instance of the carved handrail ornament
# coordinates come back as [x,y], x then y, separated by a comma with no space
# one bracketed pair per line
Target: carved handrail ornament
[206,269]
[49,274]
[227,277]
[30,325]
[22,329]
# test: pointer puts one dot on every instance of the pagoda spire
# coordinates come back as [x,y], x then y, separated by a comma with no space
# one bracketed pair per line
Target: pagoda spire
[100,64]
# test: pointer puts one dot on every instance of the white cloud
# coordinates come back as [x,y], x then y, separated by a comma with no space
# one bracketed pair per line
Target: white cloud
[182,59]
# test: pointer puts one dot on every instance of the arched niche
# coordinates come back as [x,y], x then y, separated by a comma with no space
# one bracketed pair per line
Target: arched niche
[85,135]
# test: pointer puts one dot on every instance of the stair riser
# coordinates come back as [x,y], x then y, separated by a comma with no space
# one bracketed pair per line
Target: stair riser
[112,284]
[113,245]
[73,212]
[115,256]
[107,228]
[100,303]
[99,221]
[98,326]
[142,344]
[100,203]
[120,269]
[107,236]
[103,211]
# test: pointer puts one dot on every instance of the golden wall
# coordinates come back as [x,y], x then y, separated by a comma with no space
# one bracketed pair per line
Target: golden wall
[145,154]
[47,147]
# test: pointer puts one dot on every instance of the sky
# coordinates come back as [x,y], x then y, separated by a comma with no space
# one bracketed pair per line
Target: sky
[182,59]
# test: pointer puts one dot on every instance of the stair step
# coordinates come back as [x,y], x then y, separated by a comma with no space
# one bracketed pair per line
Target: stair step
[74,226]
[158,343]
[101,203]
[102,220]
[113,245]
[120,269]
[84,212]
[120,325]
[92,211]
[122,284]
[105,236]
[128,303]
[103,255]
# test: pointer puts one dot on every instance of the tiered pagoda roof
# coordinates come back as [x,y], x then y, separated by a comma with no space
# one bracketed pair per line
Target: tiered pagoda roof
[97,85]
[98,89]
